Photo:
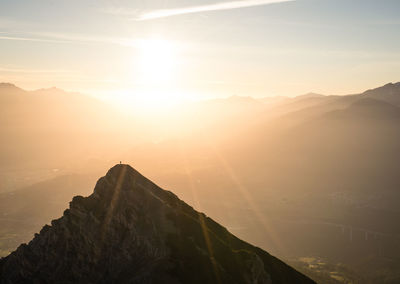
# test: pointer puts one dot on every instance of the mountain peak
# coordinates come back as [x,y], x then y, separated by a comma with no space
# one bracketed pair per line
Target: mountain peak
[389,93]
[9,86]
[119,168]
[132,231]
[388,89]
[124,178]
[392,84]
[123,171]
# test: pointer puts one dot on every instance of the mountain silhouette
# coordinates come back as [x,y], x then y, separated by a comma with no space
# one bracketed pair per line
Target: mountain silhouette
[389,93]
[9,87]
[131,231]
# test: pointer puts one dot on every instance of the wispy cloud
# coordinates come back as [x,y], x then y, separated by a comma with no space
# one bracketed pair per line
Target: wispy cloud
[66,38]
[204,8]
[30,39]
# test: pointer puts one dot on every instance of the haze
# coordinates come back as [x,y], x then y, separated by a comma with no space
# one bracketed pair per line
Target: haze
[279,119]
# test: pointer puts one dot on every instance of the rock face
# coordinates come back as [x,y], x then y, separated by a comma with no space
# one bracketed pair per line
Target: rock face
[131,231]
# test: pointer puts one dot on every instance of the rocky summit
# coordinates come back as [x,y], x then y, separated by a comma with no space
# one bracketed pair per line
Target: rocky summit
[132,231]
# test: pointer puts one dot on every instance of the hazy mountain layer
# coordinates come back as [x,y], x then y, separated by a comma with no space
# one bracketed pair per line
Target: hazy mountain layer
[306,176]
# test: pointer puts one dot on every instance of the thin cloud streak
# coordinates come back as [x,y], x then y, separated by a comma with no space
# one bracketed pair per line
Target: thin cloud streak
[31,39]
[205,8]
[66,38]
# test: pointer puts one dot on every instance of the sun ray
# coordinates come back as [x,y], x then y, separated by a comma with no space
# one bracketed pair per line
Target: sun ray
[114,201]
[202,222]
[247,197]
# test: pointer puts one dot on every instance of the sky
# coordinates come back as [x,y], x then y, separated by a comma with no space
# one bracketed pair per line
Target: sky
[173,49]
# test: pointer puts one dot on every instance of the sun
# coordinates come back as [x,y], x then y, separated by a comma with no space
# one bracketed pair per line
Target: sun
[157,61]
[155,81]
[155,66]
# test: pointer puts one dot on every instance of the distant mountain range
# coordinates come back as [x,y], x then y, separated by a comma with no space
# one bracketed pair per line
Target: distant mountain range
[131,231]
[291,175]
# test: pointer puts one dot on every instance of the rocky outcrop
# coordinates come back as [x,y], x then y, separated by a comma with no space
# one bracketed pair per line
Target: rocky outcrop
[131,231]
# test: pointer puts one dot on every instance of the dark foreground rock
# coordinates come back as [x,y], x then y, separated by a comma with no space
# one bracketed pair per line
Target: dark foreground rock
[131,231]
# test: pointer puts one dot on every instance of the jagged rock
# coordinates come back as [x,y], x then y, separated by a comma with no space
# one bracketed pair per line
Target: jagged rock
[131,231]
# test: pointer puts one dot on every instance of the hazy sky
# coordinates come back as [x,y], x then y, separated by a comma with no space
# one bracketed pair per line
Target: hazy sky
[199,48]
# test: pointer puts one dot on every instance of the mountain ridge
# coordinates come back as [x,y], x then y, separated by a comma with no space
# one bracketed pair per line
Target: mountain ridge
[132,231]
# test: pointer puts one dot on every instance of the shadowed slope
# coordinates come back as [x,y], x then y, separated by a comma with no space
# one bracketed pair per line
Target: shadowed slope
[131,231]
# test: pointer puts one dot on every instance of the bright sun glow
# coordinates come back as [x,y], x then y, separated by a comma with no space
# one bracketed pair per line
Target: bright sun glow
[157,61]
[155,64]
